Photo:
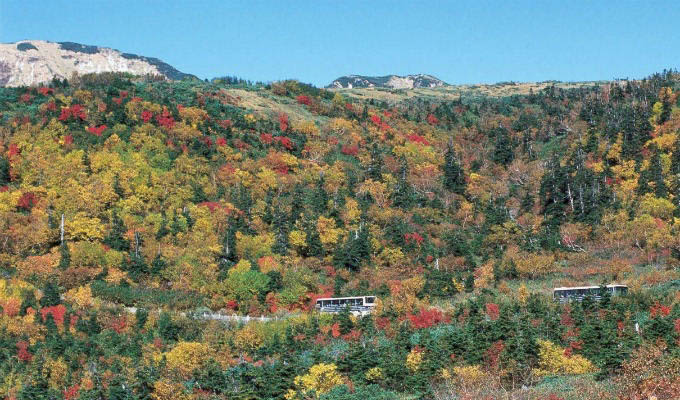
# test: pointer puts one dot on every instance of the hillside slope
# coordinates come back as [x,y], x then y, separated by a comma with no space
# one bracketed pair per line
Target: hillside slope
[31,62]
[459,211]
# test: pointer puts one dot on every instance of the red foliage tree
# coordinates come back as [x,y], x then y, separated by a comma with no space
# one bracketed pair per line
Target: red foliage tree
[72,392]
[418,139]
[266,138]
[97,130]
[413,237]
[493,354]
[283,122]
[26,98]
[165,119]
[659,310]
[26,201]
[76,111]
[492,311]
[147,115]
[432,120]
[23,354]
[302,99]
[352,150]
[57,312]
[427,318]
[225,123]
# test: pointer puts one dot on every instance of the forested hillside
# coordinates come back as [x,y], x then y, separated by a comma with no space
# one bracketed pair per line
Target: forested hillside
[460,213]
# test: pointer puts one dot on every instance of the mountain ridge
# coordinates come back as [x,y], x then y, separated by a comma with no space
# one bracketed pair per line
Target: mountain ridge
[32,62]
[412,81]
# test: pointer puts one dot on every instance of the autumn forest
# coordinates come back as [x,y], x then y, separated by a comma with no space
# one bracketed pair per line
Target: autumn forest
[131,206]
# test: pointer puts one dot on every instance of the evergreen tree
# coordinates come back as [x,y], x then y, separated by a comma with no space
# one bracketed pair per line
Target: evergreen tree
[51,295]
[158,264]
[403,196]
[355,250]
[116,237]
[187,216]
[4,171]
[375,167]
[281,230]
[503,146]
[454,177]
[297,203]
[656,174]
[117,188]
[319,198]
[65,256]
[163,230]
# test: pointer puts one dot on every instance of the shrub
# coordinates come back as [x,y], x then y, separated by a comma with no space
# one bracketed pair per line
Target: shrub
[554,360]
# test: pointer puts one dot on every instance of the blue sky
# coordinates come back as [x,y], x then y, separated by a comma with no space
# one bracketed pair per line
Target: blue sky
[317,41]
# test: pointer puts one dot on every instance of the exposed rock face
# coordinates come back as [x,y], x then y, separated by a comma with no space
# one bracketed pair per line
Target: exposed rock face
[32,62]
[389,81]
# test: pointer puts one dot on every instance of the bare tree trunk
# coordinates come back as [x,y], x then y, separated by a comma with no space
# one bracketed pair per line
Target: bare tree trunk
[62,229]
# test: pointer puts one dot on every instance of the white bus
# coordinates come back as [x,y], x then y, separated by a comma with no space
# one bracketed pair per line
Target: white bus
[360,305]
[578,293]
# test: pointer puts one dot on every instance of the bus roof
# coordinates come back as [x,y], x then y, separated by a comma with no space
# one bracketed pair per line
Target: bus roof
[343,298]
[588,287]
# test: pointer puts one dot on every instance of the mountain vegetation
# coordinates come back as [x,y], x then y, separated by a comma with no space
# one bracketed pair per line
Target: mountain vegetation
[130,205]
[388,81]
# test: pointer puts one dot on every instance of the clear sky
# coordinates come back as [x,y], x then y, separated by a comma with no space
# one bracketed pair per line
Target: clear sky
[317,41]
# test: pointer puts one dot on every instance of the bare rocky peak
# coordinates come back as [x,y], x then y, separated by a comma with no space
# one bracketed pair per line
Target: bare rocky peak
[32,62]
[389,81]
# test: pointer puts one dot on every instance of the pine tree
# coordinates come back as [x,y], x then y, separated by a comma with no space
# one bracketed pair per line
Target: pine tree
[117,188]
[454,177]
[116,237]
[281,229]
[163,229]
[158,264]
[297,203]
[4,171]
[65,256]
[503,145]
[403,196]
[319,198]
[51,295]
[374,170]
[656,174]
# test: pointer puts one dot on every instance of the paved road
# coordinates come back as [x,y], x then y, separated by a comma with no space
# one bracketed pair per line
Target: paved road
[217,316]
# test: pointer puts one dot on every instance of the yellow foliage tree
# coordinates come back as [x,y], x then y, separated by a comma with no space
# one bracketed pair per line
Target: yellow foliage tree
[248,339]
[186,357]
[553,361]
[328,233]
[414,359]
[254,246]
[167,390]
[320,379]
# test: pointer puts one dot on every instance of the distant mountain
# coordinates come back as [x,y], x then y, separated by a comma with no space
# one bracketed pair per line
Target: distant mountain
[31,62]
[389,81]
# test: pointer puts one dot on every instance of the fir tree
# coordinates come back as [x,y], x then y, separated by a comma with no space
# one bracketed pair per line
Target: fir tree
[403,196]
[656,174]
[374,170]
[116,237]
[51,295]
[163,230]
[503,152]
[281,230]
[4,171]
[65,256]
[454,178]
[117,188]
